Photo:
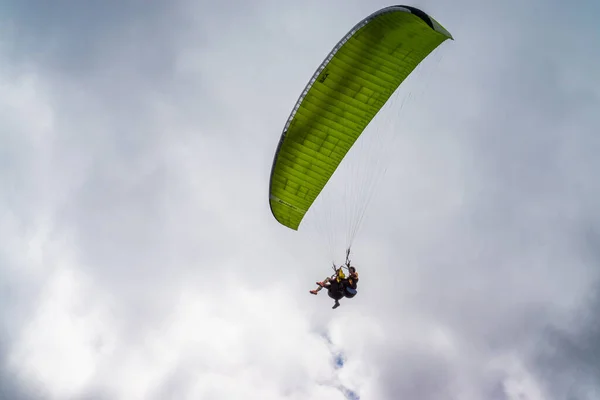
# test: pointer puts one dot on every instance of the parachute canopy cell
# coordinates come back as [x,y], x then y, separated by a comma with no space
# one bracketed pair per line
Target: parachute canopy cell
[345,93]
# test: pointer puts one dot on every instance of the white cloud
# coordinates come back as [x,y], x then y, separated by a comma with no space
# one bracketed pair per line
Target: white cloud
[67,337]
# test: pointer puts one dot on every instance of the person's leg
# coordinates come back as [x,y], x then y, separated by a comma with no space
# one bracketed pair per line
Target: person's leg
[321,285]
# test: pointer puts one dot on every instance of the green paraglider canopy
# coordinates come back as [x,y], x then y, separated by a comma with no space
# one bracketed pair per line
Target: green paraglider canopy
[345,93]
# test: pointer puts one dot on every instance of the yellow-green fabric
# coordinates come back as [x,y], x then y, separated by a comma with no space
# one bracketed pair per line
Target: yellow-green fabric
[349,88]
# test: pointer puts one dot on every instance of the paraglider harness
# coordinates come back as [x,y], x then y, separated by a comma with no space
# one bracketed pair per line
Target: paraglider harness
[338,285]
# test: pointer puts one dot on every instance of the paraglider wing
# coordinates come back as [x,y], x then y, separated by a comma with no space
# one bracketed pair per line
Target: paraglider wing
[348,89]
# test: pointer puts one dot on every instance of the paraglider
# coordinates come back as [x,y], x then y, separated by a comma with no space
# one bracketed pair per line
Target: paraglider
[344,94]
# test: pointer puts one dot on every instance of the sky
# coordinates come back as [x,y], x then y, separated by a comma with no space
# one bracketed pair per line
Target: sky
[139,258]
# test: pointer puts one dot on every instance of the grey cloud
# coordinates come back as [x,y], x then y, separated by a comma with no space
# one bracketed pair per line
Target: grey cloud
[567,358]
[418,374]
[12,387]
[74,36]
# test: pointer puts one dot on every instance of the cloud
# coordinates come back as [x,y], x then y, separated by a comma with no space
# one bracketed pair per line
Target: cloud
[140,259]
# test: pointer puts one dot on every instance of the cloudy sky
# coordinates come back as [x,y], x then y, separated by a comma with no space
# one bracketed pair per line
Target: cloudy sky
[139,258]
